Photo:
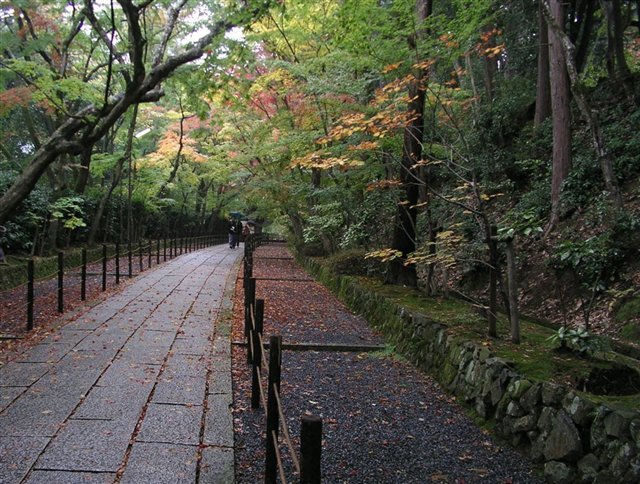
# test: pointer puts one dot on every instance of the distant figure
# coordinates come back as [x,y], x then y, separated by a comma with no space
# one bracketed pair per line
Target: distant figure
[238,231]
[246,231]
[231,227]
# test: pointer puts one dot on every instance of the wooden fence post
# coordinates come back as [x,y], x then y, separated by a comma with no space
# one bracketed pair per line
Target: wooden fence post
[117,262]
[104,268]
[310,449]
[130,259]
[256,357]
[83,276]
[249,299]
[273,420]
[30,277]
[140,254]
[61,282]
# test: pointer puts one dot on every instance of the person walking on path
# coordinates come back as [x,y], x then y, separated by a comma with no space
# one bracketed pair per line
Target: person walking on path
[238,231]
[233,233]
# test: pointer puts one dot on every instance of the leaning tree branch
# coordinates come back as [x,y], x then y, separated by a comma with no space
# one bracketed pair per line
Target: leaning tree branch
[82,127]
[172,19]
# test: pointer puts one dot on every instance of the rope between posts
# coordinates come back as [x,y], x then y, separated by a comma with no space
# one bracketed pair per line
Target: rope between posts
[263,399]
[264,358]
[285,430]
[15,287]
[274,437]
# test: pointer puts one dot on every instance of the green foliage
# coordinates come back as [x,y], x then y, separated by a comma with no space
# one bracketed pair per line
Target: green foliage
[525,223]
[325,222]
[579,340]
[593,260]
[70,211]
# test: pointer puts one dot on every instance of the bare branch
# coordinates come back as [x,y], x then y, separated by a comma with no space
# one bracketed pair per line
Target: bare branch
[172,18]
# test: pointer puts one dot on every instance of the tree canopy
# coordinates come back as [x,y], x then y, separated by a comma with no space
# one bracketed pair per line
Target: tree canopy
[426,133]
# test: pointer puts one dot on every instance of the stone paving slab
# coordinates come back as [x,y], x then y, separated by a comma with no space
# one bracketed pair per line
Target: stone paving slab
[39,413]
[191,346]
[17,456]
[173,424]
[218,427]
[179,365]
[87,445]
[9,394]
[65,336]
[15,374]
[216,465]
[68,477]
[161,464]
[124,372]
[45,353]
[180,391]
[220,381]
[113,403]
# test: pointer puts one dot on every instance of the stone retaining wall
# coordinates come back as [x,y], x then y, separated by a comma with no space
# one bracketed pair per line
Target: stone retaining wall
[576,439]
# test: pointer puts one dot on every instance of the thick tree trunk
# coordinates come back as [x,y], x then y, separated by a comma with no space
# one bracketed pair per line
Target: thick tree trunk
[83,173]
[404,234]
[561,163]
[543,94]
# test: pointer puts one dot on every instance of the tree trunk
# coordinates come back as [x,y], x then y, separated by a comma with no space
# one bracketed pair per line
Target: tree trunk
[543,94]
[617,67]
[404,234]
[514,317]
[561,163]
[83,173]
[117,178]
[585,38]
[588,114]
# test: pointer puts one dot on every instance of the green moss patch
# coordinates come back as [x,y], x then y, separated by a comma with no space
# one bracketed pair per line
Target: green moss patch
[535,358]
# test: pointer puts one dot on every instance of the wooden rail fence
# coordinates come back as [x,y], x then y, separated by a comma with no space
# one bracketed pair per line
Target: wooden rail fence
[308,465]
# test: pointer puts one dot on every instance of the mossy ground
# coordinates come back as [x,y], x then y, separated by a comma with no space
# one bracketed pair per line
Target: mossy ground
[535,357]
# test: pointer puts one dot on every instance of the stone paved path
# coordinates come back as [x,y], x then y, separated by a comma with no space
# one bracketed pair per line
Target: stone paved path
[135,390]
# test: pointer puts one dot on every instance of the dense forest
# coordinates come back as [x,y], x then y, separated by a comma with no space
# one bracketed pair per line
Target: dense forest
[475,148]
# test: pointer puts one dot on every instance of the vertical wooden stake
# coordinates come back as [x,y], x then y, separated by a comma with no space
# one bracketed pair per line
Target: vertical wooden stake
[273,422]
[83,276]
[104,268]
[256,356]
[310,449]
[117,262]
[61,282]
[30,278]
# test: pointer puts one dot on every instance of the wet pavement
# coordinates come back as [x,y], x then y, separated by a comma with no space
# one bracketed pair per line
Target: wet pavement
[136,389]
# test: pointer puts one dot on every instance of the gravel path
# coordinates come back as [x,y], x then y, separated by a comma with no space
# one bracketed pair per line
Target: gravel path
[384,421]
